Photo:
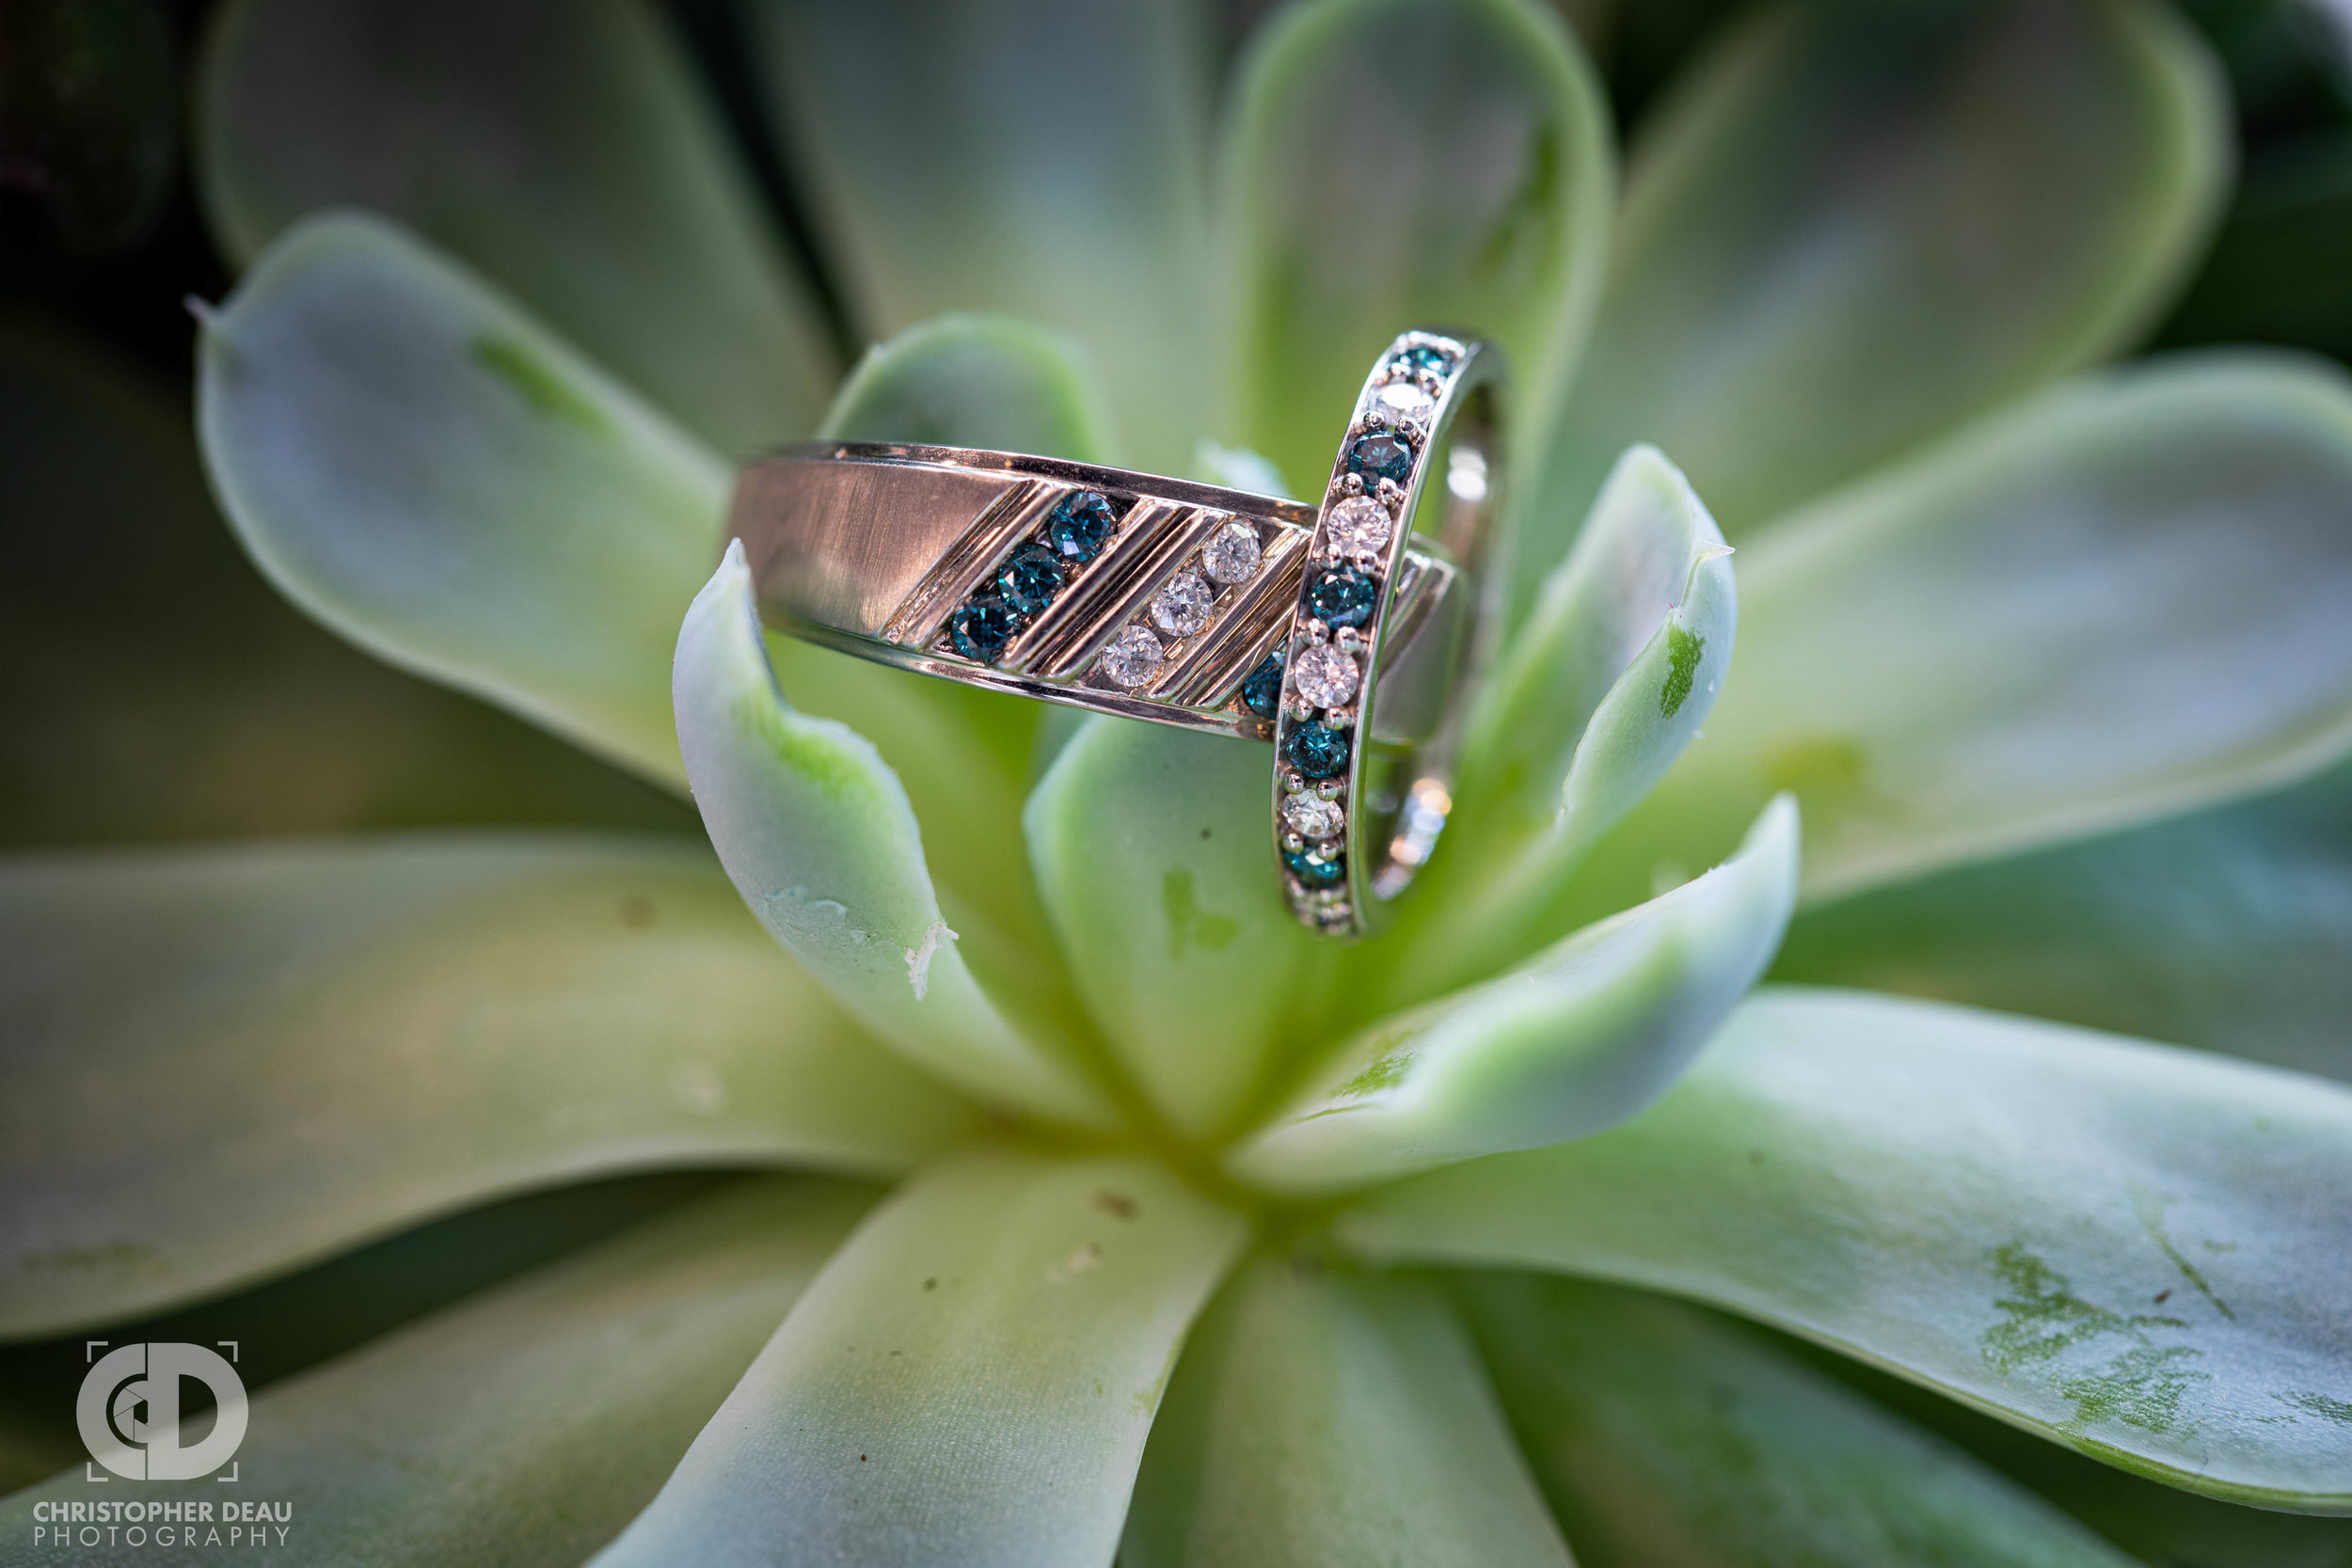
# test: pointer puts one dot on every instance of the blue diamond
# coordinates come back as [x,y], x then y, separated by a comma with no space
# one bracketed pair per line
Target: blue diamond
[1317,752]
[1426,357]
[1342,598]
[1381,454]
[1030,580]
[1315,873]
[1080,526]
[982,628]
[1384,454]
[1261,692]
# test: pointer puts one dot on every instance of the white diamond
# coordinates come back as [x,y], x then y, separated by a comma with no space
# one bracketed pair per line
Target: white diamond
[1231,554]
[1133,658]
[1403,403]
[1309,817]
[1183,606]
[1357,525]
[1325,675]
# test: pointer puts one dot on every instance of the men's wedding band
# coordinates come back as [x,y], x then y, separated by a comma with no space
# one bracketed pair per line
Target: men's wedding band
[1184,604]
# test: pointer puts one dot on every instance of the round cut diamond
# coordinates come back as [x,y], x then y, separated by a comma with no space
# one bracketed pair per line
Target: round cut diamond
[1403,403]
[1342,598]
[1315,872]
[1133,657]
[1231,554]
[1030,580]
[1381,454]
[1182,608]
[1316,751]
[982,628]
[1080,526]
[1357,525]
[1261,692]
[1309,815]
[1325,675]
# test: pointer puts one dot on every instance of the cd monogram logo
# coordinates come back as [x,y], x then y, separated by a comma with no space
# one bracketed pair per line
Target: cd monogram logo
[129,1412]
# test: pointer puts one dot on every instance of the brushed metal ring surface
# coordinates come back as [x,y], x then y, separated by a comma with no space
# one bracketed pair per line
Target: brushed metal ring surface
[876,548]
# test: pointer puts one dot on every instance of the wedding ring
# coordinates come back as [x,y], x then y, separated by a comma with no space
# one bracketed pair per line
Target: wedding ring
[1357,805]
[1149,597]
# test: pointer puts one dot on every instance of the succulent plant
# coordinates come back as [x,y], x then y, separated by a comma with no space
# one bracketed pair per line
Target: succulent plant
[1117,1216]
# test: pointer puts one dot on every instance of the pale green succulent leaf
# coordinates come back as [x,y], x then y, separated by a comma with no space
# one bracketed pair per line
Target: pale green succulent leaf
[2158,1525]
[423,468]
[1045,161]
[963,753]
[1152,852]
[1596,698]
[1848,230]
[319,1044]
[1321,1420]
[1648,550]
[157,689]
[1238,468]
[2119,602]
[2138,1251]
[564,149]
[1391,164]
[975,380]
[817,833]
[2225,929]
[1573,1042]
[1661,1435]
[521,1428]
[969,1381]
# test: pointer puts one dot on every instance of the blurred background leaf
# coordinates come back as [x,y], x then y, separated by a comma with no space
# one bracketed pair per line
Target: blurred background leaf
[153,687]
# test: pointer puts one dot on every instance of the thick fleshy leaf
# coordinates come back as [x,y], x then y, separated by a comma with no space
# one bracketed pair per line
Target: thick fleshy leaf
[1043,160]
[969,1381]
[1575,1040]
[1320,1419]
[2227,929]
[520,1429]
[1475,197]
[1662,1435]
[1850,230]
[2142,1251]
[2122,601]
[221,1063]
[963,754]
[1151,853]
[1598,696]
[563,148]
[157,689]
[816,832]
[36,1441]
[973,380]
[294,1323]
[2160,1526]
[420,466]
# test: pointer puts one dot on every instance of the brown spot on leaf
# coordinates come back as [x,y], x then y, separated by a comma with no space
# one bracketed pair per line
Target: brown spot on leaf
[1119,1205]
